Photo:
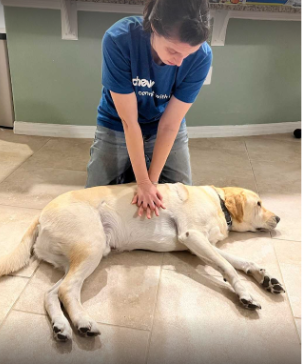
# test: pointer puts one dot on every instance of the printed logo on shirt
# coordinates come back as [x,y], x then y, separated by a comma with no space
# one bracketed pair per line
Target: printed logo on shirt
[142,82]
[146,93]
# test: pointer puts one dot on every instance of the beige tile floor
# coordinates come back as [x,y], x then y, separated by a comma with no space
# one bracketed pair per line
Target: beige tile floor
[156,308]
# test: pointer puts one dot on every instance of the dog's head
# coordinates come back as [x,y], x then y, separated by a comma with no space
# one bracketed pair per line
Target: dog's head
[247,211]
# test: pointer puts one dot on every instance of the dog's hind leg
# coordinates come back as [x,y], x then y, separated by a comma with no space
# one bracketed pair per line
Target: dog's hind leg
[200,245]
[81,266]
[259,274]
[61,327]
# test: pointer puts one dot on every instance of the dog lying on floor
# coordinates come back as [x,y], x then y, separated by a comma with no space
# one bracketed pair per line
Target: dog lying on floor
[77,229]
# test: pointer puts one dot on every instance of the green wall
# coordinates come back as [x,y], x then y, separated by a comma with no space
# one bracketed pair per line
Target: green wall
[256,75]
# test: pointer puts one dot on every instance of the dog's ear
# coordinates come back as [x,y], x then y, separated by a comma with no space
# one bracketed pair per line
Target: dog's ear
[234,202]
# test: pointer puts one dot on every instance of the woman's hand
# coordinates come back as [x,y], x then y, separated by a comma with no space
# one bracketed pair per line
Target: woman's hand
[148,199]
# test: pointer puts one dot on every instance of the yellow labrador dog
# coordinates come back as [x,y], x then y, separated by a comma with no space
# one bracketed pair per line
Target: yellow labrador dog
[77,229]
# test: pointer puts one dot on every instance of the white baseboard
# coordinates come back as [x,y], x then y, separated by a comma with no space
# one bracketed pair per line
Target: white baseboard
[241,130]
[54,130]
[78,131]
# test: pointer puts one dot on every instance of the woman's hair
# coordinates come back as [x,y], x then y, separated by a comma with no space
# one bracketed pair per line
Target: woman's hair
[185,20]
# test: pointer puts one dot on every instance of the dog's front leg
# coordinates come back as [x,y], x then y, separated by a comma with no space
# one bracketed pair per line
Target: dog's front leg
[200,245]
[259,274]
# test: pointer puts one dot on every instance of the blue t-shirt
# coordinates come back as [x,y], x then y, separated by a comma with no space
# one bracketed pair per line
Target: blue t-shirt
[128,67]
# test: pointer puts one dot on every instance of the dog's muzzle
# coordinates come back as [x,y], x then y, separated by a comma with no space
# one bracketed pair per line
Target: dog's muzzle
[270,224]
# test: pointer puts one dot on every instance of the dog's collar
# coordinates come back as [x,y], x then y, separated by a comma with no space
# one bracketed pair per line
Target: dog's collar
[227,215]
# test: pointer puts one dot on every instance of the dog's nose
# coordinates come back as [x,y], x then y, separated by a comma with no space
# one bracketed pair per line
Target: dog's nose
[277,218]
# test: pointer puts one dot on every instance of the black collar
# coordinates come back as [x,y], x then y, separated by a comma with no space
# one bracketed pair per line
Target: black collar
[227,215]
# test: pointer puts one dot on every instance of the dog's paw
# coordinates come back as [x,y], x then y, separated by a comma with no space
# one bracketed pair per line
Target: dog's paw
[88,328]
[250,303]
[61,331]
[262,277]
[272,285]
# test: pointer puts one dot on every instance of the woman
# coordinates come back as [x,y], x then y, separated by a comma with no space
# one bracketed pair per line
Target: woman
[153,69]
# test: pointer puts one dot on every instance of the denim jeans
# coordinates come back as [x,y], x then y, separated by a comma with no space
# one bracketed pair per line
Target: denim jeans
[110,163]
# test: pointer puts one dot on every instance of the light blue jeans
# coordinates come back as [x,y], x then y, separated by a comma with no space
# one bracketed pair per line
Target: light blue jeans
[110,163]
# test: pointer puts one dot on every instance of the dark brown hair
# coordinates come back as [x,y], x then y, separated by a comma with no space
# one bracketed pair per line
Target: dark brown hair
[185,20]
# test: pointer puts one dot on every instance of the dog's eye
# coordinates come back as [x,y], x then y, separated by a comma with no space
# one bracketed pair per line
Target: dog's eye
[259,203]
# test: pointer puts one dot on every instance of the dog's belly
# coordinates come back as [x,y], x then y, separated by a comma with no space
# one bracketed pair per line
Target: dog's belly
[125,234]
[157,245]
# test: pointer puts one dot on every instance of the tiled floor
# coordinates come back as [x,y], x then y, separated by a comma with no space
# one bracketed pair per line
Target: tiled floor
[156,308]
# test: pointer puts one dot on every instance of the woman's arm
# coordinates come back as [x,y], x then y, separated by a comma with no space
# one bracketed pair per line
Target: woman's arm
[126,106]
[166,134]
[179,104]
[147,194]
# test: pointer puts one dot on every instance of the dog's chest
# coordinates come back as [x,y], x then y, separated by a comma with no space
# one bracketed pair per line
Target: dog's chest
[215,235]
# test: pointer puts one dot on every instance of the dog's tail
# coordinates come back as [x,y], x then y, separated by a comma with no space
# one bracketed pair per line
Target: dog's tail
[20,256]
